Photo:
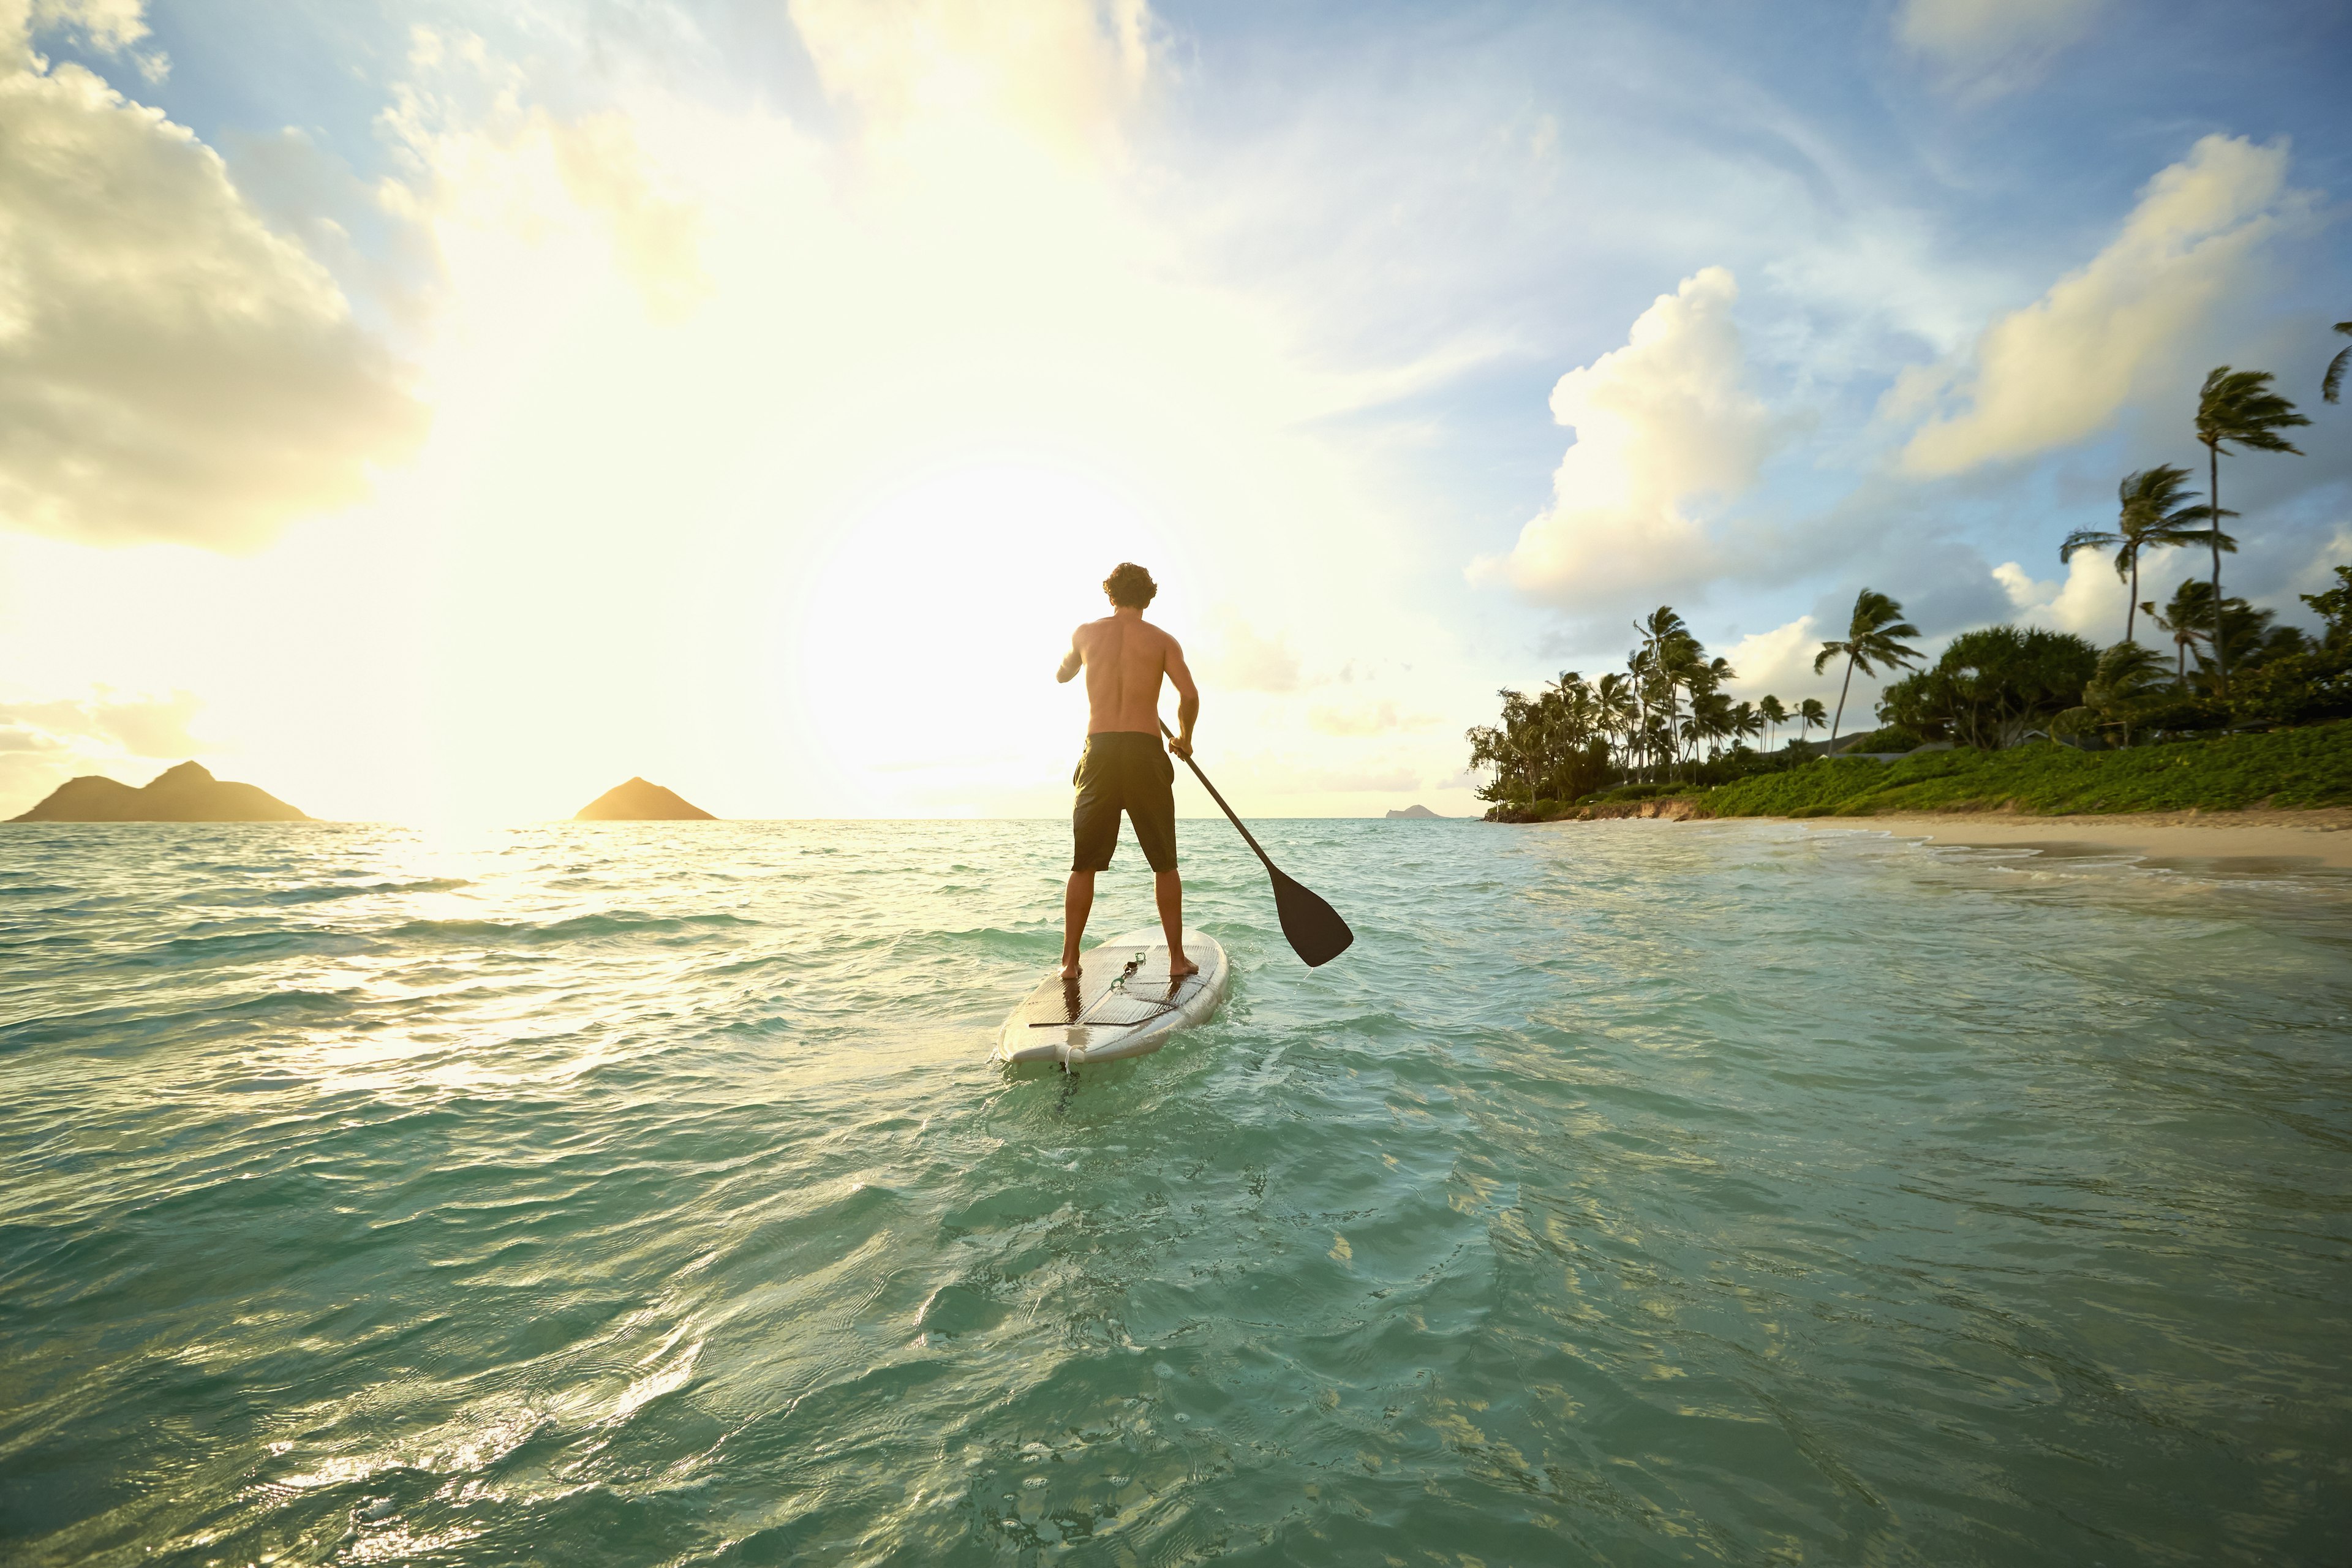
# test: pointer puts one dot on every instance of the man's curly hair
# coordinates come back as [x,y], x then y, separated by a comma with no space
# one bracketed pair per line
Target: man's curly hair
[1130,586]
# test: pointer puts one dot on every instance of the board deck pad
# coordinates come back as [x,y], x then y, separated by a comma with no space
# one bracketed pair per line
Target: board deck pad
[1123,990]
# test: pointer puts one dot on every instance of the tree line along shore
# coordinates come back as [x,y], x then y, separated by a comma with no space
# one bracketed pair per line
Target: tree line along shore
[2229,710]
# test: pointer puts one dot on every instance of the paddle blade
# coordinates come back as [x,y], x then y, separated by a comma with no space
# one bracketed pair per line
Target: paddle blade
[1316,932]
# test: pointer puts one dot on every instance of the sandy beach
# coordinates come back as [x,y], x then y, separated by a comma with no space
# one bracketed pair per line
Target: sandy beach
[2322,836]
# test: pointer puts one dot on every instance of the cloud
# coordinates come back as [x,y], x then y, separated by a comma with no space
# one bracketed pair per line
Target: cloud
[108,25]
[44,744]
[2088,603]
[2061,368]
[658,238]
[1380,719]
[1060,74]
[1983,47]
[170,368]
[1240,659]
[1779,662]
[1660,424]
[2091,599]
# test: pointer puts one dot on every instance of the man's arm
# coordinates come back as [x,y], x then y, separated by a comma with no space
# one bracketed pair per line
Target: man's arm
[1188,699]
[1071,661]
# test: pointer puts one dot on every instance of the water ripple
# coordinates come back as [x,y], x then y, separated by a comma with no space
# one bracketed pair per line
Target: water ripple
[1631,1192]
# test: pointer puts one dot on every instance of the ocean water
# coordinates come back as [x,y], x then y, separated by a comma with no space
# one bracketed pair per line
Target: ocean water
[1630,1193]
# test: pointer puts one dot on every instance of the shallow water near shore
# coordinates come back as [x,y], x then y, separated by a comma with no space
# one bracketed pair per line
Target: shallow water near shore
[1631,1192]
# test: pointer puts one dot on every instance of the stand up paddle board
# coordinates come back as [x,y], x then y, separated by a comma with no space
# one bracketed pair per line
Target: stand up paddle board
[1122,1004]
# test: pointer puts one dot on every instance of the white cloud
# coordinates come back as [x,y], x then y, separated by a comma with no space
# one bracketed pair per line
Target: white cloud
[1060,74]
[44,744]
[2061,368]
[170,368]
[1377,719]
[2089,602]
[1240,658]
[108,25]
[1987,47]
[1779,662]
[1662,424]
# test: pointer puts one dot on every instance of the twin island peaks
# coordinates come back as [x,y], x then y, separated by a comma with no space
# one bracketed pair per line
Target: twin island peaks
[189,792]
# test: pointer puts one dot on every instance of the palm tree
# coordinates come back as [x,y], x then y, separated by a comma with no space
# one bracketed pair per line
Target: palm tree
[1773,715]
[1872,641]
[1746,721]
[2152,509]
[2237,407]
[1614,710]
[2126,674]
[2333,382]
[1810,716]
[2188,618]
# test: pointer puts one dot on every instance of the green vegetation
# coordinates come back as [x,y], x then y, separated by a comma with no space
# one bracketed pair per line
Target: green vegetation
[2305,768]
[1991,684]
[1665,722]
[2145,737]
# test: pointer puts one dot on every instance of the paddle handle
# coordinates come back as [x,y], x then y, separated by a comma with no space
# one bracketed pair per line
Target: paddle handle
[1221,802]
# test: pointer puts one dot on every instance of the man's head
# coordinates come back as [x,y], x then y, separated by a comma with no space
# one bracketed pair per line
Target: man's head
[1130,587]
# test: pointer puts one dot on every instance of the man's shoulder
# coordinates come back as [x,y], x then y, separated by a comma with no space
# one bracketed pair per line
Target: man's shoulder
[1160,632]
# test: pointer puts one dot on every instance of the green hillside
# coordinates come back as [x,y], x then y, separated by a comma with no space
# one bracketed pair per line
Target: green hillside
[2303,767]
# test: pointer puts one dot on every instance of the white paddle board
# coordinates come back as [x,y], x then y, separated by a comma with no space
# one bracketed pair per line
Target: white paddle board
[1122,1004]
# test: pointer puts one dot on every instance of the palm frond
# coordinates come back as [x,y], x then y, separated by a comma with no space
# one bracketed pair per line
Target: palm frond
[2237,408]
[2090,538]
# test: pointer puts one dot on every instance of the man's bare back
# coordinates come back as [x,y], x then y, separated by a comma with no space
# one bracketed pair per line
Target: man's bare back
[1124,657]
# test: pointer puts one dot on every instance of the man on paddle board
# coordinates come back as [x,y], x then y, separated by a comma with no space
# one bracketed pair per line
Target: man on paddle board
[1125,767]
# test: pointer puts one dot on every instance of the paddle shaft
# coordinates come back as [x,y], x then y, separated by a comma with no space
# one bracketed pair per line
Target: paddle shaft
[1228,810]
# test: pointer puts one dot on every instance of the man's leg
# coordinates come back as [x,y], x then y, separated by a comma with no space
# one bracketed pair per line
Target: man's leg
[1077,902]
[1167,886]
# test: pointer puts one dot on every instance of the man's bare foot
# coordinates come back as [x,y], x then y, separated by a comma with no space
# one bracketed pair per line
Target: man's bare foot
[1072,970]
[1179,966]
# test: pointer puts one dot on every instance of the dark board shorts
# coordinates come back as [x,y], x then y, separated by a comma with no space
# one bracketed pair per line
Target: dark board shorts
[1124,769]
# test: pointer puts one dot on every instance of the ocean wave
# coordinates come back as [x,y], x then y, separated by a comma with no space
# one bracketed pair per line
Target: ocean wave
[573,929]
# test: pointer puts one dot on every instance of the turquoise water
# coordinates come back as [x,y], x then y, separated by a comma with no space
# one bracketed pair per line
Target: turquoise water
[1630,1194]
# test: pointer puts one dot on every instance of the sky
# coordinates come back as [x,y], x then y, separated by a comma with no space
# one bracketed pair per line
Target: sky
[441,412]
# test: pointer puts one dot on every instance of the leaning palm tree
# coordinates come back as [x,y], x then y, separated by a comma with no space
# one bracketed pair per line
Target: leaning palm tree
[2188,620]
[2152,509]
[2334,381]
[1810,716]
[1872,641]
[1773,715]
[1746,721]
[2237,407]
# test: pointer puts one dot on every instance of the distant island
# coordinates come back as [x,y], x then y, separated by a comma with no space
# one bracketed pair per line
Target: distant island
[637,801]
[1414,814]
[188,792]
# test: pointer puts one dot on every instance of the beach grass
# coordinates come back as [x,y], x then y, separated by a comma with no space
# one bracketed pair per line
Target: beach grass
[2311,766]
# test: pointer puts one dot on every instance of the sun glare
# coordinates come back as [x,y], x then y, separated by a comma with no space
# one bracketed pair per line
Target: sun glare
[931,630]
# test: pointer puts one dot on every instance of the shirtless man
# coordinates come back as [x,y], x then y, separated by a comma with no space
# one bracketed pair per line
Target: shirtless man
[1123,765]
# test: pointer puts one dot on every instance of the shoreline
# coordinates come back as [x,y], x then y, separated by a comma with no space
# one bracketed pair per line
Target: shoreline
[2322,833]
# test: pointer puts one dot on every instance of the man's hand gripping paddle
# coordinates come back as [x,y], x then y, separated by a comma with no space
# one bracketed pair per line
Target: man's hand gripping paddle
[1316,932]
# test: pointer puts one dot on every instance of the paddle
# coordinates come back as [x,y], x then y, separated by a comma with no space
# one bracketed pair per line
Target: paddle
[1316,932]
